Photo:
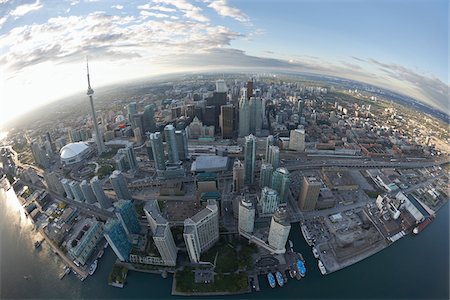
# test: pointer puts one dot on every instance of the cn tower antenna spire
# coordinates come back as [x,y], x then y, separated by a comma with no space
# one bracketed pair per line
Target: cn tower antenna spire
[90,91]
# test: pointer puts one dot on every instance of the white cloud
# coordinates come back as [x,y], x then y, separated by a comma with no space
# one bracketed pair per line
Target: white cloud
[22,10]
[152,14]
[156,7]
[190,11]
[2,21]
[223,9]
[118,6]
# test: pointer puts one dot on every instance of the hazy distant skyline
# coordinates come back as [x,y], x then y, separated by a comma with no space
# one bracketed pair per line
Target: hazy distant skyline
[398,45]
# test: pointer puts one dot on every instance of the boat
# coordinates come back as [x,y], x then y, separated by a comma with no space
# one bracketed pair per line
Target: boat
[106,245]
[301,267]
[315,252]
[279,277]
[100,254]
[37,244]
[291,246]
[65,271]
[271,280]
[306,235]
[93,267]
[292,272]
[27,277]
[422,225]
[321,267]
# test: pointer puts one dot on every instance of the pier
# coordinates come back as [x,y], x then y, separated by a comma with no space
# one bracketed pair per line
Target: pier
[82,273]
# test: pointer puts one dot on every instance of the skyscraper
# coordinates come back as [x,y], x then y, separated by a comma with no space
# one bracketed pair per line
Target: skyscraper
[65,183]
[53,182]
[98,135]
[279,229]
[39,155]
[149,118]
[269,201]
[238,176]
[182,144]
[244,117]
[309,193]
[125,213]
[162,236]
[119,185]
[201,231]
[76,191]
[274,156]
[227,121]
[246,215]
[221,86]
[249,89]
[281,183]
[255,115]
[97,188]
[250,159]
[297,140]
[132,110]
[158,151]
[265,178]
[117,238]
[88,193]
[169,132]
[131,157]
[269,142]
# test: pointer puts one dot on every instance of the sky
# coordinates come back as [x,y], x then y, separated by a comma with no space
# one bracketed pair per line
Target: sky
[399,45]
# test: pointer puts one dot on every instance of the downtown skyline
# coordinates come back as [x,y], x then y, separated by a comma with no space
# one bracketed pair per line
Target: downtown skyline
[399,45]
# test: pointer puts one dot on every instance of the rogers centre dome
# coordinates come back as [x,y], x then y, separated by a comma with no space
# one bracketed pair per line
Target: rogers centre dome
[73,153]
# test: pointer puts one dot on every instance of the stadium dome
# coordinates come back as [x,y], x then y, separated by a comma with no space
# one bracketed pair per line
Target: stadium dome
[73,153]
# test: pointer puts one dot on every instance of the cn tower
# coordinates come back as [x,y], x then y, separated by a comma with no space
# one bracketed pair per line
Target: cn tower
[98,137]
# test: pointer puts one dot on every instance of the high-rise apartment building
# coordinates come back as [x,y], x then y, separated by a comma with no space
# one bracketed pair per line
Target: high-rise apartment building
[162,236]
[246,215]
[250,159]
[171,140]
[269,201]
[238,176]
[149,118]
[88,193]
[265,178]
[119,185]
[297,140]
[281,183]
[201,231]
[227,121]
[279,229]
[118,239]
[99,193]
[127,216]
[158,151]
[309,193]
[182,144]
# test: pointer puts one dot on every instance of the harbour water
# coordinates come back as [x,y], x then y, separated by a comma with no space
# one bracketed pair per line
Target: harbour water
[414,267]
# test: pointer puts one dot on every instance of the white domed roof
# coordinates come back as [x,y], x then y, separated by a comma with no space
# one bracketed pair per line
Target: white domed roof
[72,150]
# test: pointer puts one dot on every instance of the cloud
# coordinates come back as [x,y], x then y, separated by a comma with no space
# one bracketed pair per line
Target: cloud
[152,14]
[2,21]
[190,11]
[223,9]
[118,6]
[22,10]
[156,7]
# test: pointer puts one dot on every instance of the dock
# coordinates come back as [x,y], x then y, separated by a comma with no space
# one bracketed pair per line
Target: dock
[82,273]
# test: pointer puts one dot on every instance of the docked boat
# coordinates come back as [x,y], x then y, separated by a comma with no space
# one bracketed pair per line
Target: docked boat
[315,252]
[291,246]
[301,267]
[106,245]
[100,254]
[279,277]
[65,271]
[292,272]
[37,244]
[422,225]
[306,235]
[321,267]
[271,280]
[93,267]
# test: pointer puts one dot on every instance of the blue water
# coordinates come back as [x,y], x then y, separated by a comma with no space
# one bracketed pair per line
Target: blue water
[414,267]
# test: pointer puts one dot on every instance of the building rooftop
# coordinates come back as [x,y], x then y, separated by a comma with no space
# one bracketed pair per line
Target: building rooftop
[210,163]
